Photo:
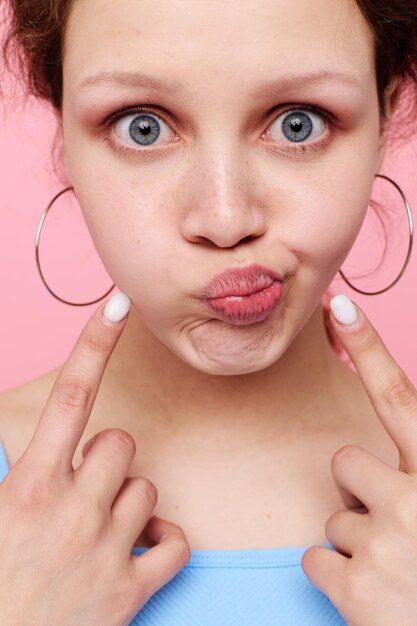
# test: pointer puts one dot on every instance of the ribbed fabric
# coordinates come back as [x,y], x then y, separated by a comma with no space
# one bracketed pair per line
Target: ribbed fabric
[258,587]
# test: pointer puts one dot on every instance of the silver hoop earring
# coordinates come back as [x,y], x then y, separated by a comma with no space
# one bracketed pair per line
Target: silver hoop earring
[38,233]
[367,293]
[410,244]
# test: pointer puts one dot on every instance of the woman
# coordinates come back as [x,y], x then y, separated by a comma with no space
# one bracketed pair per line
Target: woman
[224,156]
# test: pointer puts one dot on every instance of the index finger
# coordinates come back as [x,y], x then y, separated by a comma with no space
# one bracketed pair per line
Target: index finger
[69,404]
[390,391]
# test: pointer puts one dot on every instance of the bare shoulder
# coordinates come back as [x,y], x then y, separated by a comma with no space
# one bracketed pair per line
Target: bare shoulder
[20,410]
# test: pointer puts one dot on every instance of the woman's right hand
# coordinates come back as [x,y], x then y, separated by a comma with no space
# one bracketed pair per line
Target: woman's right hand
[66,535]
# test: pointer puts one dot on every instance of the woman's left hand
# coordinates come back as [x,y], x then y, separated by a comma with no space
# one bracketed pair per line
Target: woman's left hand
[377,584]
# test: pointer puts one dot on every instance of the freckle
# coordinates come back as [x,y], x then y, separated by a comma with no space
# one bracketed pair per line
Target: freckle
[177,507]
[269,515]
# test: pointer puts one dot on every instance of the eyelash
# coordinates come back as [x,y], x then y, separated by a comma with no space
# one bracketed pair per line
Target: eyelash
[294,147]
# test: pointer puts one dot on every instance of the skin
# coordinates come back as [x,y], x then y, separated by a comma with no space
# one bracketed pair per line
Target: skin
[222,416]
[223,188]
[370,576]
[77,526]
[219,183]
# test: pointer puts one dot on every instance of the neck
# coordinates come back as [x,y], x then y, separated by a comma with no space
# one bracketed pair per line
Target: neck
[174,403]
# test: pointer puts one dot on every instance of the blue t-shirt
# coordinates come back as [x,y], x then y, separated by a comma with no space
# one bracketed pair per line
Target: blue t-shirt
[256,587]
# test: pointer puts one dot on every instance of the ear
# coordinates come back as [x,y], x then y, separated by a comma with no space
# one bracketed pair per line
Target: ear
[392,98]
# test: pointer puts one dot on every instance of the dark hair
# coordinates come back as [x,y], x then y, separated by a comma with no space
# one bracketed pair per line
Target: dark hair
[35,40]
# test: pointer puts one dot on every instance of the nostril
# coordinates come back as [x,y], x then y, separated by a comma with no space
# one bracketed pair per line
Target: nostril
[204,240]
[211,244]
[208,241]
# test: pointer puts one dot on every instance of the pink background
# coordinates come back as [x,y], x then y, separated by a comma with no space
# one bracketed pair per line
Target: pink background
[37,332]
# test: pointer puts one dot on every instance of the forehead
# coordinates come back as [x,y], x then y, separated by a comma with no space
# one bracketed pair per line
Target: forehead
[234,41]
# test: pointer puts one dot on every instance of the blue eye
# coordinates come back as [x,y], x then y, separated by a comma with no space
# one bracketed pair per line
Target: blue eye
[297,126]
[144,129]
[140,129]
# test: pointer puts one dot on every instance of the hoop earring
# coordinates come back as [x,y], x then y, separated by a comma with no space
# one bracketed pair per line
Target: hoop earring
[410,244]
[38,233]
[366,293]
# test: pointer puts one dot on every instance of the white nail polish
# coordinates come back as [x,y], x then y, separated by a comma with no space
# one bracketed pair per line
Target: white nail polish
[117,307]
[344,310]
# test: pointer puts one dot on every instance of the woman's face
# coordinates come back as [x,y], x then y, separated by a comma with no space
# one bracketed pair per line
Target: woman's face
[258,143]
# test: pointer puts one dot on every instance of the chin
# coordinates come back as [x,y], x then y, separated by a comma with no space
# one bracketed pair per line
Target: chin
[231,359]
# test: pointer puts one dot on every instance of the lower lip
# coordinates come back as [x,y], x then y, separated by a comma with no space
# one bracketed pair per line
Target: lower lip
[244,310]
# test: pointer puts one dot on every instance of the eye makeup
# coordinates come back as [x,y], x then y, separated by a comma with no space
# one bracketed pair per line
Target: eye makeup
[286,147]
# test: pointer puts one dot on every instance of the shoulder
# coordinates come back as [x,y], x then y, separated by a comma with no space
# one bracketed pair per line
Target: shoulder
[20,410]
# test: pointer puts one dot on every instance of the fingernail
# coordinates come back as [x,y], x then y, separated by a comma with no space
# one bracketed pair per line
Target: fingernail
[344,310]
[116,308]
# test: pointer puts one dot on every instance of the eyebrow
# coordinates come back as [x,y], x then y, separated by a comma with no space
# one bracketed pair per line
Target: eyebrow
[269,89]
[130,79]
[273,87]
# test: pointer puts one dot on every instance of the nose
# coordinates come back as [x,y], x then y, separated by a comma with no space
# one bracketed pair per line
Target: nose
[224,207]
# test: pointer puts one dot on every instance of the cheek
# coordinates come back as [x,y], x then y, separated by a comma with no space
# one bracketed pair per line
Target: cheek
[324,215]
[135,244]
[330,226]
[128,219]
